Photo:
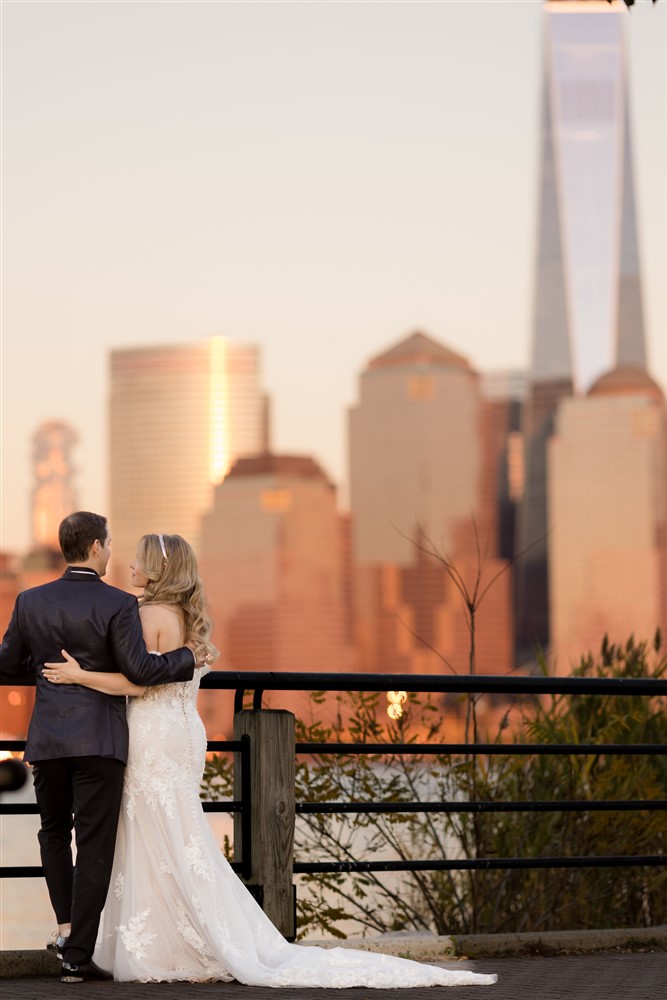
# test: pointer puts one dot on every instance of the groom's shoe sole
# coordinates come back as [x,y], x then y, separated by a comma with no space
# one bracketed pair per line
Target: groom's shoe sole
[71,974]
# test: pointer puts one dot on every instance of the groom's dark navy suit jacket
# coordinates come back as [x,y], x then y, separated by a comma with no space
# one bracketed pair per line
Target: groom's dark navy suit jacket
[100,626]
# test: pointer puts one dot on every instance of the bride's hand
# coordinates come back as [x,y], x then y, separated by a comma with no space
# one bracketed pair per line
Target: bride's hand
[68,672]
[203,660]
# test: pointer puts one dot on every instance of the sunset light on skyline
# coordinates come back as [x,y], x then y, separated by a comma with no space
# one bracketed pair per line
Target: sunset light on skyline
[319,179]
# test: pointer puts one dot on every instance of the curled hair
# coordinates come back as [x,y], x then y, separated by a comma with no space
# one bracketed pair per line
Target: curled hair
[174,579]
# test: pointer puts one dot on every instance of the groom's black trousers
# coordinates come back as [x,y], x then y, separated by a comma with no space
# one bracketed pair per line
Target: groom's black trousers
[83,793]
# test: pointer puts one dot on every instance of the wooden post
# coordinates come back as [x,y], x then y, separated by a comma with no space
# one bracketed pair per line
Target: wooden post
[272,811]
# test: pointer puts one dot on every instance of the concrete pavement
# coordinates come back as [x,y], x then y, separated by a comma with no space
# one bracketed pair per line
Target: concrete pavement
[605,976]
[628,964]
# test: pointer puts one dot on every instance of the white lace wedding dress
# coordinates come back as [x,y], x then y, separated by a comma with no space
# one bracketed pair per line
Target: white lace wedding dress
[176,910]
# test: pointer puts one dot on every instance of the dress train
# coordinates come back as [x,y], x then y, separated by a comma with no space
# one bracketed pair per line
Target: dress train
[176,910]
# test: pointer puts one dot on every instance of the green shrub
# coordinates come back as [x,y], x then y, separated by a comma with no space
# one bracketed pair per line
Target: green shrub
[489,900]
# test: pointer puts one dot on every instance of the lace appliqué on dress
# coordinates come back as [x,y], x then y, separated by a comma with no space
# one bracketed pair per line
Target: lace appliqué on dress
[198,858]
[119,885]
[134,935]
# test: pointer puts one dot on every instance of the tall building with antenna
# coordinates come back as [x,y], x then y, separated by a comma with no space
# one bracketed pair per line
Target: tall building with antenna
[588,310]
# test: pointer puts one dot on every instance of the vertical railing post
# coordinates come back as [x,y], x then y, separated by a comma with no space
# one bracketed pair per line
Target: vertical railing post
[245,836]
[272,811]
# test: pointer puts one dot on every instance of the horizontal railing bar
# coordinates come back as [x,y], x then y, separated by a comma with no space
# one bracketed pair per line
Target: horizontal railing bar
[253,680]
[221,746]
[651,805]
[261,680]
[443,749]
[477,864]
[572,749]
[21,871]
[213,746]
[321,808]
[36,871]
[463,864]
[31,808]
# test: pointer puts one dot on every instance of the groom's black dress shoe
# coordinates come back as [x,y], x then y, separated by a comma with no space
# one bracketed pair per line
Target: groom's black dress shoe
[83,973]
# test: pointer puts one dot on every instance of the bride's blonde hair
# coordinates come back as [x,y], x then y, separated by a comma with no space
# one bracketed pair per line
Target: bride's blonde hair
[170,565]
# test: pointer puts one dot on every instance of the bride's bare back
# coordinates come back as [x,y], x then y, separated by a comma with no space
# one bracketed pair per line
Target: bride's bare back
[163,626]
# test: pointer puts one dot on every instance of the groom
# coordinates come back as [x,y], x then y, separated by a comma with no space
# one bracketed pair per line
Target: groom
[78,738]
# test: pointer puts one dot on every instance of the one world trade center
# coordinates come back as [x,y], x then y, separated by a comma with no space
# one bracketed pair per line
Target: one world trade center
[587,308]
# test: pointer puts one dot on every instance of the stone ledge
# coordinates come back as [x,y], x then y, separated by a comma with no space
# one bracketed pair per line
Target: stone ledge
[20,964]
[561,942]
[430,948]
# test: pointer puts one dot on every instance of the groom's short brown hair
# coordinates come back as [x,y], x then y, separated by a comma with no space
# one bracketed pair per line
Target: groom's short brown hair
[78,531]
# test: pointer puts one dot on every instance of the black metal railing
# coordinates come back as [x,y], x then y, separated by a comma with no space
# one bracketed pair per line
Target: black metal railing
[242,806]
[587,805]
[257,683]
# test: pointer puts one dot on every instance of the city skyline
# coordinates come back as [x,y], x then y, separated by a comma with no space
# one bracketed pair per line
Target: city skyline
[332,195]
[436,470]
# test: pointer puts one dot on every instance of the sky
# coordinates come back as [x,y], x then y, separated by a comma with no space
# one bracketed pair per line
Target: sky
[320,178]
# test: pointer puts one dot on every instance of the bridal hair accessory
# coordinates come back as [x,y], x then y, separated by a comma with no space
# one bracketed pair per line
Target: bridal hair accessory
[164,551]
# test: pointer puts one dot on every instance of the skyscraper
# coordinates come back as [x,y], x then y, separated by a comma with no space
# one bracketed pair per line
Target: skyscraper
[419,476]
[273,561]
[179,416]
[53,494]
[504,393]
[608,544]
[587,311]
[53,497]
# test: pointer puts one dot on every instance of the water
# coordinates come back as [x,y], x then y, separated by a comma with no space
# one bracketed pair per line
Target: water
[27,920]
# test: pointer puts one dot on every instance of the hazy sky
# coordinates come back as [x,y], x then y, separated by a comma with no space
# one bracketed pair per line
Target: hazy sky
[318,178]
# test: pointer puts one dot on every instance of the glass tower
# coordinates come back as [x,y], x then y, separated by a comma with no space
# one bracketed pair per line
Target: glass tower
[587,311]
[179,417]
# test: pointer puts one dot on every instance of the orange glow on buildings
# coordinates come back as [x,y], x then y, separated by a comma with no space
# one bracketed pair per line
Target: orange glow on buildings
[15,702]
[273,566]
[608,509]
[220,449]
[53,495]
[179,417]
[423,486]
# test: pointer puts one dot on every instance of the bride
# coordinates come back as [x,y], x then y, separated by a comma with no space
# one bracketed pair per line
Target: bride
[175,909]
